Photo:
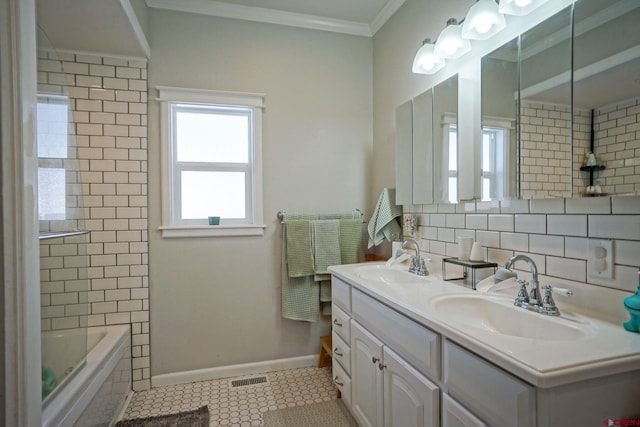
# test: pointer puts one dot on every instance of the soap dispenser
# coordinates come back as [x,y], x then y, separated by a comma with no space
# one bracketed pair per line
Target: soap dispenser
[632,304]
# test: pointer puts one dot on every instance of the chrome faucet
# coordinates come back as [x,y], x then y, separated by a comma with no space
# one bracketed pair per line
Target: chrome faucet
[418,265]
[534,295]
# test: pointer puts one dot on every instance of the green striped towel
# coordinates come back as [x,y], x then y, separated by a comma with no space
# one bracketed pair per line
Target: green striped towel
[299,255]
[383,222]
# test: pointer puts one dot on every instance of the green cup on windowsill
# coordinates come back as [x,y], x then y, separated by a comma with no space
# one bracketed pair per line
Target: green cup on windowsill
[214,220]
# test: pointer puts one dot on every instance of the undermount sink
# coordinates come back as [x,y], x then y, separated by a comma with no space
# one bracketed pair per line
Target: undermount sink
[498,315]
[389,275]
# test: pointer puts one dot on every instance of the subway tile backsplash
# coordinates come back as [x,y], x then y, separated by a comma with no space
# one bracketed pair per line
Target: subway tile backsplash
[553,232]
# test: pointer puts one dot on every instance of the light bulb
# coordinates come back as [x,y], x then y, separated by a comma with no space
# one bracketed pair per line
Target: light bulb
[522,3]
[483,25]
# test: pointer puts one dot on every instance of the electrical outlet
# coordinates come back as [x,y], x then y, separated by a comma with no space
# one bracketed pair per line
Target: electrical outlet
[600,259]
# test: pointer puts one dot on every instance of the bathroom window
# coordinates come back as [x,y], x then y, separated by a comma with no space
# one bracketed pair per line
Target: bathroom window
[212,162]
[495,159]
[52,116]
[452,178]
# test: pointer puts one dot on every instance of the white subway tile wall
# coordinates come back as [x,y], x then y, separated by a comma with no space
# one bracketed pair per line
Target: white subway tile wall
[556,240]
[545,150]
[109,109]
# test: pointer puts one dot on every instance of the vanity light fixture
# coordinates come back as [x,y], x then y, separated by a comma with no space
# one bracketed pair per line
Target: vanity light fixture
[426,60]
[450,44]
[483,21]
[519,7]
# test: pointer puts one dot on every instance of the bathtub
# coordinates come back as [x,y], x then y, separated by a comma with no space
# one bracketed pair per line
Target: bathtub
[95,391]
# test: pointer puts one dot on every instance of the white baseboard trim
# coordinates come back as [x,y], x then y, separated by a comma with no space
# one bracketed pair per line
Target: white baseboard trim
[233,370]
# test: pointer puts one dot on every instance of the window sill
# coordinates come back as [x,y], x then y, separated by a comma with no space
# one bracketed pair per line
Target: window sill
[173,232]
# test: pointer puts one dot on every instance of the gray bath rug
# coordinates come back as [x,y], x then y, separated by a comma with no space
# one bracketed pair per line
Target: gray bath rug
[331,413]
[197,418]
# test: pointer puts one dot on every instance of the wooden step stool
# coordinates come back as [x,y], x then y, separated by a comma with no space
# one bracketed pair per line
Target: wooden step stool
[326,351]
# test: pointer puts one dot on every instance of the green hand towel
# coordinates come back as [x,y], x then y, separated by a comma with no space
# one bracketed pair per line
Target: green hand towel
[383,222]
[299,254]
[325,239]
[351,249]
[300,296]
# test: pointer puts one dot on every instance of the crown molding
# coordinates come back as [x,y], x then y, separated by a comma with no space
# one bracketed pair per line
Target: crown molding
[385,14]
[271,16]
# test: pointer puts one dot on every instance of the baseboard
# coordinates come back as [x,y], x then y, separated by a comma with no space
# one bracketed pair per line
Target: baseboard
[233,370]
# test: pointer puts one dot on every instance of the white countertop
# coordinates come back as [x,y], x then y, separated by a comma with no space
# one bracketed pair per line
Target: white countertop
[608,348]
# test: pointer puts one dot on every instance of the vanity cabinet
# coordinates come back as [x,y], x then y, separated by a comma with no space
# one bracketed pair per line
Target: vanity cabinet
[341,338]
[467,378]
[406,368]
[386,389]
[392,361]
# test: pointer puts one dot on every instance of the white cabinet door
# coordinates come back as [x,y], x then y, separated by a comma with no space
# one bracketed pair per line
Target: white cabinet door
[366,377]
[455,415]
[410,400]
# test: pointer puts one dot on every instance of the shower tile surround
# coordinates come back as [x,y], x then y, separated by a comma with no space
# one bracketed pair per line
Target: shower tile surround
[553,232]
[108,99]
[546,148]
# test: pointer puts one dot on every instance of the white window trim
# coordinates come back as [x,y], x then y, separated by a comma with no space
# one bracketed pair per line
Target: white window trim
[172,94]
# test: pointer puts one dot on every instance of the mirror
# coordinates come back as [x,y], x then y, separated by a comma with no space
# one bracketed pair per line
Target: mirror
[423,148]
[404,154]
[606,94]
[545,109]
[445,141]
[576,91]
[499,95]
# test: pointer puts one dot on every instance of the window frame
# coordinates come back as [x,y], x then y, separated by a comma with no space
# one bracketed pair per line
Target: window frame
[171,225]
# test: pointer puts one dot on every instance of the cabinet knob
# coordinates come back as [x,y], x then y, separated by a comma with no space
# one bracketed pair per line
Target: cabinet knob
[337,353]
[374,360]
[335,322]
[335,380]
[381,366]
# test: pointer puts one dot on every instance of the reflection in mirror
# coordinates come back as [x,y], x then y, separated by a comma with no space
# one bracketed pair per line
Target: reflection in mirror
[499,154]
[606,97]
[423,148]
[545,108]
[445,141]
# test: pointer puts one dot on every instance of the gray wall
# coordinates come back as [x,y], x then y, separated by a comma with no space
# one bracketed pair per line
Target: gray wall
[394,47]
[216,301]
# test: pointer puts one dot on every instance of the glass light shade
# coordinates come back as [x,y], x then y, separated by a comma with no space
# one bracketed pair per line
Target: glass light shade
[483,21]
[450,44]
[519,7]
[426,61]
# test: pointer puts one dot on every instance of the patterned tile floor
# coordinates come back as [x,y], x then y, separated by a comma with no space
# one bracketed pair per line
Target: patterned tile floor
[237,406]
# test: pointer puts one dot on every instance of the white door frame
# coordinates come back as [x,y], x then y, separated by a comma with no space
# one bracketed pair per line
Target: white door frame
[20,249]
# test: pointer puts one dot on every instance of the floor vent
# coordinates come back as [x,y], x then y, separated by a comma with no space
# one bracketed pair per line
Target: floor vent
[249,381]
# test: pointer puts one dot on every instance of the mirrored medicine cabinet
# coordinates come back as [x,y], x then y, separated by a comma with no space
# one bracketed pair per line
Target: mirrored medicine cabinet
[568,87]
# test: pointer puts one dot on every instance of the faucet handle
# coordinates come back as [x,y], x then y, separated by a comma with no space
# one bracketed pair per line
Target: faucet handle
[522,299]
[422,271]
[548,305]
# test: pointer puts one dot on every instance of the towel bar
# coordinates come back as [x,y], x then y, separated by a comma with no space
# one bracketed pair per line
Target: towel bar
[280,216]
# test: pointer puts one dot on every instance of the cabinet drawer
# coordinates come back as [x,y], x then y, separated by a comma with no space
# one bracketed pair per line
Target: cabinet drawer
[343,382]
[341,352]
[341,293]
[417,344]
[340,322]
[468,377]
[455,415]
